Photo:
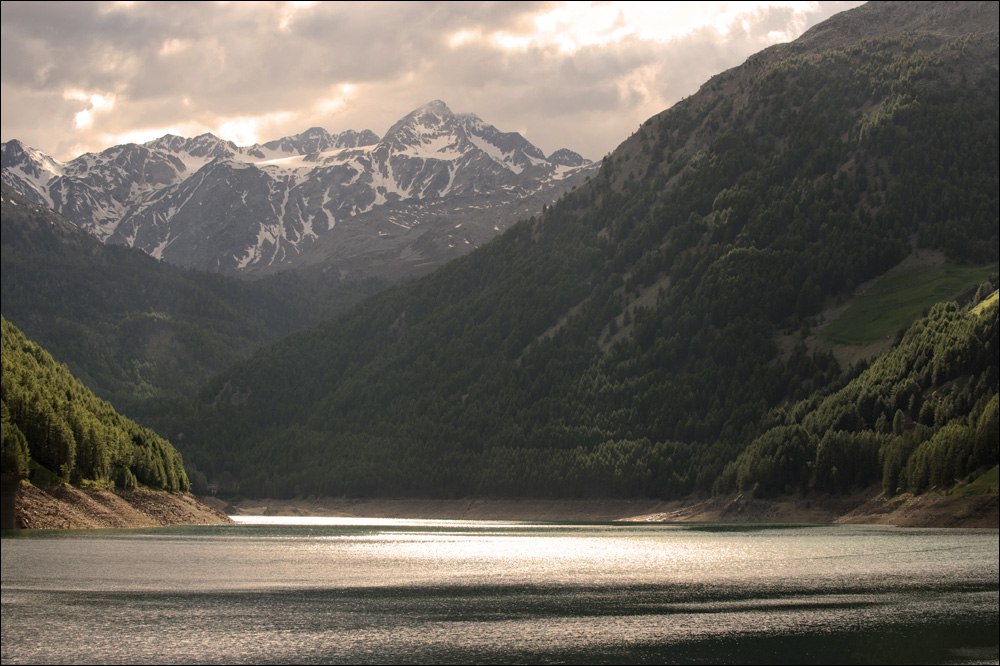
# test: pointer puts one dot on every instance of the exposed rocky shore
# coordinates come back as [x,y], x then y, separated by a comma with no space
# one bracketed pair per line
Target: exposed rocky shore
[76,508]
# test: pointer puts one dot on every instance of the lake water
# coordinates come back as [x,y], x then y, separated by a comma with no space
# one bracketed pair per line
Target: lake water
[411,591]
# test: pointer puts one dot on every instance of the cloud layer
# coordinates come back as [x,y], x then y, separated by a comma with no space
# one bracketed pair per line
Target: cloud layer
[80,76]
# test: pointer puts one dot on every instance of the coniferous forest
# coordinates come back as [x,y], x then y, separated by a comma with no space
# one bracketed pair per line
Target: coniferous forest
[56,430]
[658,332]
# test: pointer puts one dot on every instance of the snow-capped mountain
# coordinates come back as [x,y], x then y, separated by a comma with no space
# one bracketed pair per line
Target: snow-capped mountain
[28,171]
[210,204]
[315,140]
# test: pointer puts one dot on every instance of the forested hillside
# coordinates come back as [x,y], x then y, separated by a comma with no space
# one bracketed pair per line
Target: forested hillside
[136,330]
[56,430]
[627,342]
[925,414]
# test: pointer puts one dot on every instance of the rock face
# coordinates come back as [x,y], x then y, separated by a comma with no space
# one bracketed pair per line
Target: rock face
[311,198]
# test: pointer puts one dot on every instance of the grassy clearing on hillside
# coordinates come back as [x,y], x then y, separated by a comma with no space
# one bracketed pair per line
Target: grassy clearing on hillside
[895,301]
[985,484]
[979,309]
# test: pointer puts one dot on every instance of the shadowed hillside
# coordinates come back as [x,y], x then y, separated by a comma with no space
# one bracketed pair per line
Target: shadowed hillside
[135,329]
[626,343]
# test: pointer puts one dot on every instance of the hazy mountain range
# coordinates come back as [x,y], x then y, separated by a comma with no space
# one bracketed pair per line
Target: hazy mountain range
[436,185]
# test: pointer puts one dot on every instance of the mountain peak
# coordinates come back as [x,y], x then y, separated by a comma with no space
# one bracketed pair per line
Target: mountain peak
[409,129]
[29,170]
[567,157]
[436,106]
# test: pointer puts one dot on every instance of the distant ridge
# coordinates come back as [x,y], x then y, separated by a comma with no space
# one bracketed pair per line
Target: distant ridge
[391,207]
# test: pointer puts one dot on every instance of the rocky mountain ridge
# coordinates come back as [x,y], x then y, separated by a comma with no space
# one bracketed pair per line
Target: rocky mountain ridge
[313,197]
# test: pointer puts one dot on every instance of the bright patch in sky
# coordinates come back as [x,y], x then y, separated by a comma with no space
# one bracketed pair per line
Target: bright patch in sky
[339,98]
[247,130]
[241,131]
[174,45]
[572,26]
[98,103]
[290,10]
[149,134]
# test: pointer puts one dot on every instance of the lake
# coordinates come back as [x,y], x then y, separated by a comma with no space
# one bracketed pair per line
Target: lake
[319,590]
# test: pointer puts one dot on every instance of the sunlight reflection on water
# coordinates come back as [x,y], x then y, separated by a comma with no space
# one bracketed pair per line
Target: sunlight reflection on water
[302,589]
[350,521]
[487,550]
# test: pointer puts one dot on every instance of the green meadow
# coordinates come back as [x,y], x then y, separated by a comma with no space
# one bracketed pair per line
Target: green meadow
[984,484]
[896,300]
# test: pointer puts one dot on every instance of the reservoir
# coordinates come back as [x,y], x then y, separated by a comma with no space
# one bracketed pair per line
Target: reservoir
[349,590]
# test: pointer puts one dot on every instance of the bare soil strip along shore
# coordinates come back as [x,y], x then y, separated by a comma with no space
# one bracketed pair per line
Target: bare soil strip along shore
[928,510]
[76,508]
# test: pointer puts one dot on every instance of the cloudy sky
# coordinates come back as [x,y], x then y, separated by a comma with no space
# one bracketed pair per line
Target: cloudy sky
[81,76]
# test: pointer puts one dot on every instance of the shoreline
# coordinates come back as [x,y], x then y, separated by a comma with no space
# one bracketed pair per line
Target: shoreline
[926,510]
[77,508]
[88,508]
